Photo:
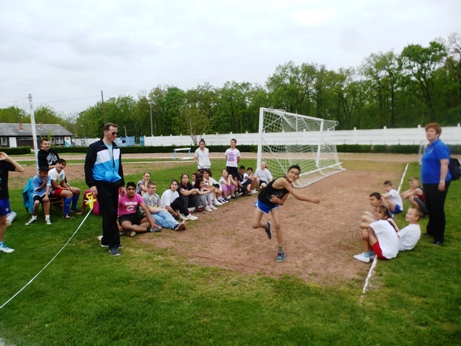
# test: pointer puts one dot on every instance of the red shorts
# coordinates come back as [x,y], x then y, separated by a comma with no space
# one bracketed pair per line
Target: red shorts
[377,249]
[56,193]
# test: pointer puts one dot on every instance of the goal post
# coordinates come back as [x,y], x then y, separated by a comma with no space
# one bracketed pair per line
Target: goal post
[287,138]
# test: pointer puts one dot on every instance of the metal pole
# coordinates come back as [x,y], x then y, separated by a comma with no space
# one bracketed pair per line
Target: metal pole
[151,124]
[34,130]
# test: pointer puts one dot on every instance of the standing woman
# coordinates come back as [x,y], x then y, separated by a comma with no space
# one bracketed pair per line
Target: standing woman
[436,181]
[201,156]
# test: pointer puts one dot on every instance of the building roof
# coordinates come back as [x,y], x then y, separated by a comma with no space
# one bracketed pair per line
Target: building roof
[43,130]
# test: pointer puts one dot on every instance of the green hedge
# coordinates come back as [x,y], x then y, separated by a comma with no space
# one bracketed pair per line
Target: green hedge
[16,151]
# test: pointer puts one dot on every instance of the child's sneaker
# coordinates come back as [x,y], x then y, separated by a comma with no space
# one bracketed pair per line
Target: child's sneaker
[191,217]
[216,202]
[68,217]
[363,257]
[4,248]
[132,234]
[280,257]
[32,220]
[48,221]
[213,207]
[268,229]
[208,208]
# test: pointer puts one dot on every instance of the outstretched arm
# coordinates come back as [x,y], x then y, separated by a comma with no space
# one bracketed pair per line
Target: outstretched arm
[284,182]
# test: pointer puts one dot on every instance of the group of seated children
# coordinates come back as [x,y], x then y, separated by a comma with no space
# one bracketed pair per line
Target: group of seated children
[380,234]
[53,184]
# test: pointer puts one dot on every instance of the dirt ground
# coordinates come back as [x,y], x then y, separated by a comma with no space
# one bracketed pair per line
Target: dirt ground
[320,240]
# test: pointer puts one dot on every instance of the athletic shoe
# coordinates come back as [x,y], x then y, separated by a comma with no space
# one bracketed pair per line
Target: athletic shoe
[155,229]
[5,249]
[239,194]
[362,257]
[8,223]
[68,217]
[281,257]
[75,211]
[48,221]
[114,251]
[268,229]
[180,226]
[182,216]
[191,217]
[254,191]
[132,234]
[31,221]
[217,203]
[212,207]
[199,210]
[207,208]
[234,197]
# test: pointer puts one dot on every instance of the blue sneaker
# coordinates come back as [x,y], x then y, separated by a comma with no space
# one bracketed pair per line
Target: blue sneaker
[281,257]
[5,249]
[268,229]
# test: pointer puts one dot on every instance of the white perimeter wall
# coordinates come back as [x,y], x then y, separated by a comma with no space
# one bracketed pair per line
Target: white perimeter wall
[384,136]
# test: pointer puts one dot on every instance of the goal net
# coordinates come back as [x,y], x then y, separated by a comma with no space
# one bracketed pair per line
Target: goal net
[286,139]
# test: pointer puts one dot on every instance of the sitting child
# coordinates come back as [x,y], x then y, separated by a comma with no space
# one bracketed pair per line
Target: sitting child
[228,185]
[161,216]
[410,235]
[205,195]
[379,237]
[41,184]
[249,182]
[61,189]
[175,204]
[129,218]
[214,186]
[415,195]
[391,199]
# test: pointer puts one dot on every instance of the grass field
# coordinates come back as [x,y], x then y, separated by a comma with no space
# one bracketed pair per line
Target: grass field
[155,297]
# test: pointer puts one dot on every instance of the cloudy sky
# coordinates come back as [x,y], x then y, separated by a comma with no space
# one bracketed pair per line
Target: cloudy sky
[65,52]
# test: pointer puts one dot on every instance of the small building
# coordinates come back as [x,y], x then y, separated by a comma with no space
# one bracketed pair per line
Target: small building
[13,135]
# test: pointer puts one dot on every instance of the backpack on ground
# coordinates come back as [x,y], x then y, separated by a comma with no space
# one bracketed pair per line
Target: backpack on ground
[453,167]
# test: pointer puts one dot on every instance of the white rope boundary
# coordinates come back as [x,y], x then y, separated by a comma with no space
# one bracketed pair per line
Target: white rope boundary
[375,261]
[27,284]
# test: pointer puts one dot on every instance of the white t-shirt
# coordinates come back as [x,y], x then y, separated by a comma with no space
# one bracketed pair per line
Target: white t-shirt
[168,197]
[58,177]
[409,237]
[395,197]
[387,238]
[232,155]
[263,175]
[203,158]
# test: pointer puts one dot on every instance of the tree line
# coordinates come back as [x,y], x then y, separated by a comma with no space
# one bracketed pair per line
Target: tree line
[417,86]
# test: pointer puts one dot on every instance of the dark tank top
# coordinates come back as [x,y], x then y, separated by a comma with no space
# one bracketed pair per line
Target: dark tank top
[266,193]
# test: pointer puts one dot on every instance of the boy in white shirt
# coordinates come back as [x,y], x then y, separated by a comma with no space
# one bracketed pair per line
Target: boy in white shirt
[410,235]
[392,199]
[263,175]
[61,189]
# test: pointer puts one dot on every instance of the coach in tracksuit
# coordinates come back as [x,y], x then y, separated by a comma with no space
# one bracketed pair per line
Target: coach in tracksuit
[104,177]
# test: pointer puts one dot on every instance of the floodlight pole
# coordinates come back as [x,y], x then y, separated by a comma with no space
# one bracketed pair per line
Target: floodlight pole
[151,124]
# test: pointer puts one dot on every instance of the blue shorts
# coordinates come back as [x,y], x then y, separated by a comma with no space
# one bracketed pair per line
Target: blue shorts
[264,207]
[398,209]
[5,207]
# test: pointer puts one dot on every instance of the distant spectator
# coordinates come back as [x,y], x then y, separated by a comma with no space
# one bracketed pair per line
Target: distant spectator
[415,195]
[391,199]
[263,175]
[175,204]
[142,184]
[409,235]
[47,156]
[201,156]
[60,188]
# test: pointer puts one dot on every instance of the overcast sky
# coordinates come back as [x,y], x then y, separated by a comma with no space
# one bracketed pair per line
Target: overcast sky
[65,52]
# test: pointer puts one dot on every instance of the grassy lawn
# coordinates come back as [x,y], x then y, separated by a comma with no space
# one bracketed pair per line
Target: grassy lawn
[150,296]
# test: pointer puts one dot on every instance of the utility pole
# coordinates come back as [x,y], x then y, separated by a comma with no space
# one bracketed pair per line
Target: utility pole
[34,130]
[103,111]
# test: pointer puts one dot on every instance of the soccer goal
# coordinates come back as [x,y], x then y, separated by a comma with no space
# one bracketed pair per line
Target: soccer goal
[286,139]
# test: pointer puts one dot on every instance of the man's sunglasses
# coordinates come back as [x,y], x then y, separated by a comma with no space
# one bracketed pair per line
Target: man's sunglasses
[114,133]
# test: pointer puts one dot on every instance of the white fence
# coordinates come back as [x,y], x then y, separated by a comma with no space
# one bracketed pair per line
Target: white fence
[384,136]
